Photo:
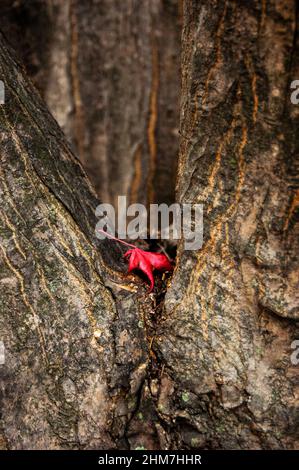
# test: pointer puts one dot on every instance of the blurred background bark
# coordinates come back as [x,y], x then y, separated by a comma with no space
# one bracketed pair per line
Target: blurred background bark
[110,73]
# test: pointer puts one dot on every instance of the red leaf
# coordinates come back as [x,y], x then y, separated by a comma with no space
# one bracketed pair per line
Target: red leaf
[147,261]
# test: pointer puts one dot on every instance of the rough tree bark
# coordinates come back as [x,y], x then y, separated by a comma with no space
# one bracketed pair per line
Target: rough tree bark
[109,72]
[76,347]
[232,313]
[93,361]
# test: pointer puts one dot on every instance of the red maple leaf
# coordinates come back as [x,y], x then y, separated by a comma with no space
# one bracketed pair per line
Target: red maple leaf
[145,261]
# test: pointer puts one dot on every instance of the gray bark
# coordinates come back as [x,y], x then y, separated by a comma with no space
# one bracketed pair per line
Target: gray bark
[231,312]
[72,324]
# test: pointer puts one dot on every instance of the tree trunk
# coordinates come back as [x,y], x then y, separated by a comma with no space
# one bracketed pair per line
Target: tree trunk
[91,359]
[109,72]
[72,324]
[232,310]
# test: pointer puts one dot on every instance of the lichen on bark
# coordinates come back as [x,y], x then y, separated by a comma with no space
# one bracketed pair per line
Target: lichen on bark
[230,314]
